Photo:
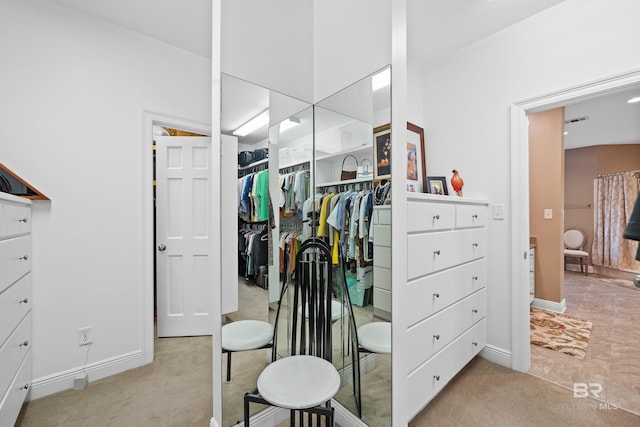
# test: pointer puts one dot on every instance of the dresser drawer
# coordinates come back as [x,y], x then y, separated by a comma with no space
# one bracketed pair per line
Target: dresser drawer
[427,381]
[382,256]
[436,332]
[16,219]
[15,259]
[382,278]
[435,292]
[382,235]
[15,303]
[471,216]
[473,245]
[382,299]
[13,352]
[429,216]
[14,398]
[431,252]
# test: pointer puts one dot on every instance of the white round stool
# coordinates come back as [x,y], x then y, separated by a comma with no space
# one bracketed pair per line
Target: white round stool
[245,335]
[375,337]
[299,382]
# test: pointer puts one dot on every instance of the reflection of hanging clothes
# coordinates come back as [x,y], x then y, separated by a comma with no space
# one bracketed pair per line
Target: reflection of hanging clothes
[253,196]
[254,249]
[294,189]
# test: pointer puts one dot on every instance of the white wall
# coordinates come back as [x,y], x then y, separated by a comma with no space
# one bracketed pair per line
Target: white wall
[466,107]
[270,44]
[351,40]
[73,92]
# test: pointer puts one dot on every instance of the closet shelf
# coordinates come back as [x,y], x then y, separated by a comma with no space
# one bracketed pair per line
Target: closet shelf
[254,164]
[367,147]
[346,181]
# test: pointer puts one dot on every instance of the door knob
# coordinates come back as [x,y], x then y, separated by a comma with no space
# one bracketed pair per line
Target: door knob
[162,247]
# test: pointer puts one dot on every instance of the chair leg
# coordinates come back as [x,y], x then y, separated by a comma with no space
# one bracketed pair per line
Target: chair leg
[228,367]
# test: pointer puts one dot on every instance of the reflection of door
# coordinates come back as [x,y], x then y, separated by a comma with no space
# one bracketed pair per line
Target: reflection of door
[183,272]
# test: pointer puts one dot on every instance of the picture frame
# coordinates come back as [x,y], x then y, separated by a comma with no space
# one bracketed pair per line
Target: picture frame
[416,159]
[382,152]
[437,185]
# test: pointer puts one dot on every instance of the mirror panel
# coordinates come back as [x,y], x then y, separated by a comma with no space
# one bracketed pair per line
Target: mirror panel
[313,149]
[345,168]
[257,243]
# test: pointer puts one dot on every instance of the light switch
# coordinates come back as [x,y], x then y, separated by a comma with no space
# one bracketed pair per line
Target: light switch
[548,213]
[498,211]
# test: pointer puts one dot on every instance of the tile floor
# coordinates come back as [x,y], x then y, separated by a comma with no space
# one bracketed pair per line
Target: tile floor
[613,355]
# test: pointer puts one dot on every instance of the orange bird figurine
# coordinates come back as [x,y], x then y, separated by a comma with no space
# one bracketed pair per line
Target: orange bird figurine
[457,183]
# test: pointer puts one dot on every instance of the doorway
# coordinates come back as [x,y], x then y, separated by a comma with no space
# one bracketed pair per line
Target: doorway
[148,247]
[520,198]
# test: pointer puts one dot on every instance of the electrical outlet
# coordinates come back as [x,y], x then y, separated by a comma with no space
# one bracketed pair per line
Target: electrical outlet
[85,336]
[498,211]
[548,214]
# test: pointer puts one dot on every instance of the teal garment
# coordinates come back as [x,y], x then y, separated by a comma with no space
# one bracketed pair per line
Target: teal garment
[633,227]
[262,193]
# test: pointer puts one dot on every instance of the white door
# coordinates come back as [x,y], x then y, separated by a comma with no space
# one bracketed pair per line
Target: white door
[183,246]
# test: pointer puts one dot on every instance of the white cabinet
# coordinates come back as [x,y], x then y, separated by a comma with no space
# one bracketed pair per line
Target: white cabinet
[447,278]
[382,262]
[532,274]
[15,305]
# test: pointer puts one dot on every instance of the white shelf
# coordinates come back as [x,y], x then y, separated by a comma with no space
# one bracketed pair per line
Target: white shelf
[345,152]
[254,164]
[347,181]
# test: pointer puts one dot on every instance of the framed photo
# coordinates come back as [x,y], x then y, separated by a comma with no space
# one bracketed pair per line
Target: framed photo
[416,169]
[437,185]
[382,152]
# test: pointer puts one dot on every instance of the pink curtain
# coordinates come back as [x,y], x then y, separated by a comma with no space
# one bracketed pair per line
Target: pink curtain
[616,195]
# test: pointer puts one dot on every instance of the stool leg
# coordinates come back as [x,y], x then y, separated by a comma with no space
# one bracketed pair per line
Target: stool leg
[228,367]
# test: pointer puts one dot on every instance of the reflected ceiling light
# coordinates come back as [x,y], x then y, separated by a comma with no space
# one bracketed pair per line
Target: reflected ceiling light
[252,125]
[566,133]
[380,80]
[634,100]
[289,123]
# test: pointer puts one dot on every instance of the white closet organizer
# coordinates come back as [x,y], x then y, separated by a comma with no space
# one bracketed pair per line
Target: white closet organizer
[382,262]
[15,305]
[447,270]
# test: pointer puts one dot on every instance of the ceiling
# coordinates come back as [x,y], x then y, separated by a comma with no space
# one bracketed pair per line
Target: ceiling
[447,25]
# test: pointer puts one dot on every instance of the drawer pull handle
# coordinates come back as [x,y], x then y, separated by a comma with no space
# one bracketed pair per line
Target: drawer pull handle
[24,344]
[436,377]
[24,387]
[436,217]
[436,295]
[475,278]
[23,220]
[24,257]
[23,301]
[436,252]
[474,216]
[475,344]
[475,245]
[437,336]
[475,311]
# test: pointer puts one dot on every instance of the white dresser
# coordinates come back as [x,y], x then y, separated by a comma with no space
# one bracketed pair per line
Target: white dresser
[447,271]
[15,305]
[382,262]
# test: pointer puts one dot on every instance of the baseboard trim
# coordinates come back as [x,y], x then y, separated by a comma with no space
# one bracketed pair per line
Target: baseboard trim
[556,307]
[497,355]
[346,418]
[273,416]
[367,364]
[61,381]
[268,417]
